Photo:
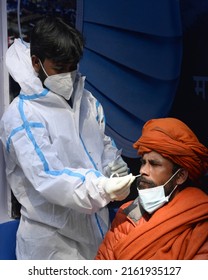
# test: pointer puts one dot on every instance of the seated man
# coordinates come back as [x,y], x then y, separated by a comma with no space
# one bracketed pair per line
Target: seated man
[169,219]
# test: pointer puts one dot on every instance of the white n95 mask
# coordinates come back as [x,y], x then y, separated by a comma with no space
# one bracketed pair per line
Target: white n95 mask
[154,198]
[61,84]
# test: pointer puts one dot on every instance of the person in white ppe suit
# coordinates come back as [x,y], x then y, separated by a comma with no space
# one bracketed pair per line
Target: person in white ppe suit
[58,159]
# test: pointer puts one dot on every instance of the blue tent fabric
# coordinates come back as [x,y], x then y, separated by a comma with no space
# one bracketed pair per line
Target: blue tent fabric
[132,61]
[8,240]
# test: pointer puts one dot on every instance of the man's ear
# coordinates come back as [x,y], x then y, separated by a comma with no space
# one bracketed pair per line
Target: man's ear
[35,63]
[181,176]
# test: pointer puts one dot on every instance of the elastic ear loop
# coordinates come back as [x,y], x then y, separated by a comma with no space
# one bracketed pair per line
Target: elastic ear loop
[43,67]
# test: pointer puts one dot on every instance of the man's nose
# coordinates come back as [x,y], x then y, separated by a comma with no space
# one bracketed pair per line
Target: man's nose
[144,169]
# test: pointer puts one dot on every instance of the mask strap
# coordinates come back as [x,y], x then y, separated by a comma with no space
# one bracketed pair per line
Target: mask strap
[43,67]
[172,191]
[172,177]
[169,181]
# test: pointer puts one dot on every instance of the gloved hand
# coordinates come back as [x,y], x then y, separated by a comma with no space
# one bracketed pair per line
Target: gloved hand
[118,188]
[119,167]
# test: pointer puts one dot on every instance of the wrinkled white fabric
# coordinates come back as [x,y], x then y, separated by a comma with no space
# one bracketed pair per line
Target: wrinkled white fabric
[53,154]
[119,167]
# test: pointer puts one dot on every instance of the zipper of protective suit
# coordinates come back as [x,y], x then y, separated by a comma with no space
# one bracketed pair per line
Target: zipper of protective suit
[92,161]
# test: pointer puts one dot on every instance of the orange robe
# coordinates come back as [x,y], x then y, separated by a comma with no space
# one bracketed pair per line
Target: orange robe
[177,231]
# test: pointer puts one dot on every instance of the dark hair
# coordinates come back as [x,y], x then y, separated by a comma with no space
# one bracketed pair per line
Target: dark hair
[175,167]
[53,39]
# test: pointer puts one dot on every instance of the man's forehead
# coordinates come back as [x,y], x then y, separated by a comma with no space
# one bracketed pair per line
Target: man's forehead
[156,157]
[152,155]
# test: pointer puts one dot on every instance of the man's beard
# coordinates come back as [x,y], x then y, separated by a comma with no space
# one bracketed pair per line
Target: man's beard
[143,183]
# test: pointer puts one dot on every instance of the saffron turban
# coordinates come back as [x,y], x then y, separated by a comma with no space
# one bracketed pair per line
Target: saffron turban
[174,140]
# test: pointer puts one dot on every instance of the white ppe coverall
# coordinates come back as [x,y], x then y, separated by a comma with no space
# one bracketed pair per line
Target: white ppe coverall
[54,154]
